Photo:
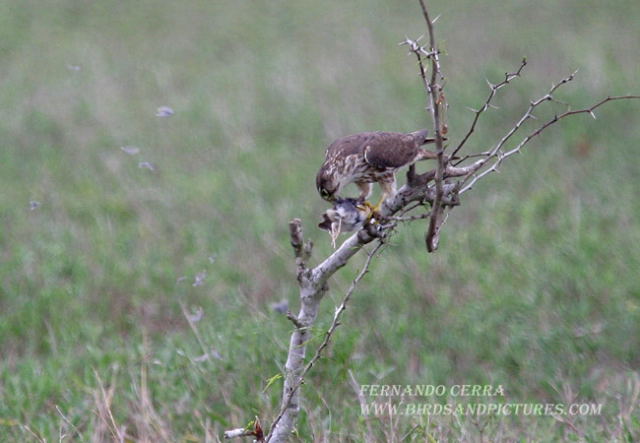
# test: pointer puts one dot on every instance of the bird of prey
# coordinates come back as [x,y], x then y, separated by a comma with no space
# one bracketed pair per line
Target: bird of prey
[370,157]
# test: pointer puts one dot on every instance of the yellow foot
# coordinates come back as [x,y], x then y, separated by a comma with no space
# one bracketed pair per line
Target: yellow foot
[371,210]
[365,206]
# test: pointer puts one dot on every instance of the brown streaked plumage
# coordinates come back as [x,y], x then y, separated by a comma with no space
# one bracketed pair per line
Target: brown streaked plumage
[369,157]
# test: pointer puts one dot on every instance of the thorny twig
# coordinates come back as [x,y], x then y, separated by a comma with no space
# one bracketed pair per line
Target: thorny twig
[408,218]
[508,76]
[497,153]
[437,103]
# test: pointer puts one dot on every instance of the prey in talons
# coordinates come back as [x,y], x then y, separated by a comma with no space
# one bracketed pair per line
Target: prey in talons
[347,215]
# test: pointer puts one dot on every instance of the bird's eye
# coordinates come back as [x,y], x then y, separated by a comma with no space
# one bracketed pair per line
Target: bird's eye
[324,193]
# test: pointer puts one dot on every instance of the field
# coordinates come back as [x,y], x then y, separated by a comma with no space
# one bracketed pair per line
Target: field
[136,288]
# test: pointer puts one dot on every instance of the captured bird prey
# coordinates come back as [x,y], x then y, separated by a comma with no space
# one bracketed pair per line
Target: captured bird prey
[370,157]
[346,215]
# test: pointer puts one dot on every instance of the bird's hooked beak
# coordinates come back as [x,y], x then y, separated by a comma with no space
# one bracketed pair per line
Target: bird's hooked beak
[328,196]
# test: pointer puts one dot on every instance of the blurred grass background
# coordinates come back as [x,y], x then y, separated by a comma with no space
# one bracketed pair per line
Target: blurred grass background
[535,286]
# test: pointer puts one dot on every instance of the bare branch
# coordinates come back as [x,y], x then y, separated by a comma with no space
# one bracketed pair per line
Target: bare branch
[280,432]
[243,432]
[410,208]
[297,240]
[487,103]
[301,249]
[557,118]
[529,113]
[496,152]
[409,218]
[469,156]
[341,308]
[238,432]
[294,320]
[472,179]
[419,51]
[437,104]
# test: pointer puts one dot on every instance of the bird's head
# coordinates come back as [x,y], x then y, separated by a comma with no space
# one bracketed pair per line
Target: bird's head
[327,184]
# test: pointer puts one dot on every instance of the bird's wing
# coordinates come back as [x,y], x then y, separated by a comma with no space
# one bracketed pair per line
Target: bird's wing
[350,145]
[387,150]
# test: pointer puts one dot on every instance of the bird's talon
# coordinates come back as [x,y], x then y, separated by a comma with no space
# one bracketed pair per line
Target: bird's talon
[375,210]
[365,205]
[367,208]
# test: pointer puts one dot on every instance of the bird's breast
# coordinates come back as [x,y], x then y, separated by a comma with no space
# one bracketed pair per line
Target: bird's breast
[370,175]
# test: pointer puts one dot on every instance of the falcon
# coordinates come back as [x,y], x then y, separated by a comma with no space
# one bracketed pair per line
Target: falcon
[370,157]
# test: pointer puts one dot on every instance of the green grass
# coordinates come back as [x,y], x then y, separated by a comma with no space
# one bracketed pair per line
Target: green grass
[535,285]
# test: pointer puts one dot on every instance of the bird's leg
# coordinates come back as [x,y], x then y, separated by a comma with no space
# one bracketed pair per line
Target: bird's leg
[373,211]
[388,190]
[369,208]
[365,191]
[383,197]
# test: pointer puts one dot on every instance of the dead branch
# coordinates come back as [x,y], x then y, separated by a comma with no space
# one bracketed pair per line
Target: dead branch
[301,249]
[508,76]
[498,156]
[238,432]
[408,218]
[245,432]
[282,424]
[437,103]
